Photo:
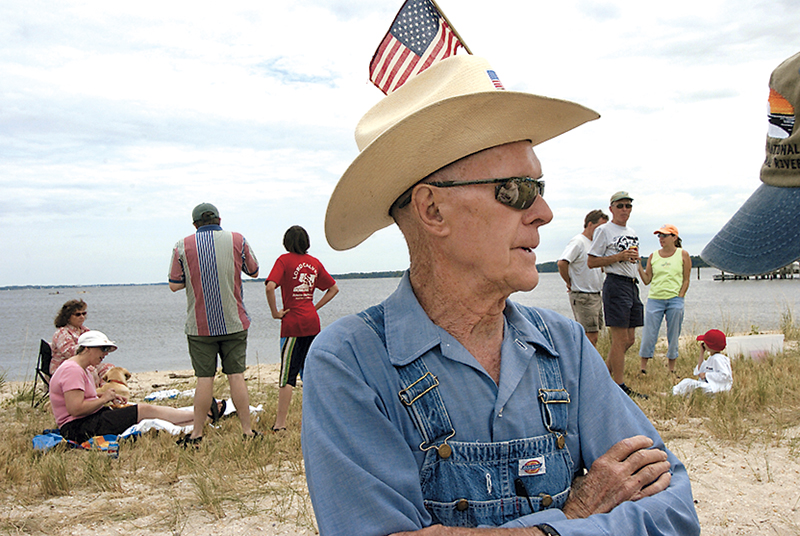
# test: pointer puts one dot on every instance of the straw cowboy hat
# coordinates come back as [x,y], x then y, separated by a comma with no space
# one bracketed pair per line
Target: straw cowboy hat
[455,108]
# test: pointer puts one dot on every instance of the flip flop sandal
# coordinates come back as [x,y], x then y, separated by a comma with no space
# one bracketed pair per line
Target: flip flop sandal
[217,411]
[189,441]
[254,435]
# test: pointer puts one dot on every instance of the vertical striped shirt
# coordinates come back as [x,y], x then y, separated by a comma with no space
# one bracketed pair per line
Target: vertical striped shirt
[210,263]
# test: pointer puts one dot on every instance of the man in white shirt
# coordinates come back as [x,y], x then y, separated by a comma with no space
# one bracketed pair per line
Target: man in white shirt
[584,284]
[615,247]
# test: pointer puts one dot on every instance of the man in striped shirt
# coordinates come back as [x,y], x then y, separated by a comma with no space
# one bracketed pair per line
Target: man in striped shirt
[208,264]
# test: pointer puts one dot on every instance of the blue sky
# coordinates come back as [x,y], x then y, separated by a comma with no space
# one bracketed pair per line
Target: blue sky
[116,119]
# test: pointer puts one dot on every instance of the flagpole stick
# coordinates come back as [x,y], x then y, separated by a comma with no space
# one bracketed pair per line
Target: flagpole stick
[453,28]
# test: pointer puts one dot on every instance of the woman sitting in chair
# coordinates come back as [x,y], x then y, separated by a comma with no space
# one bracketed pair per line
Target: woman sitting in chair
[81,414]
[69,322]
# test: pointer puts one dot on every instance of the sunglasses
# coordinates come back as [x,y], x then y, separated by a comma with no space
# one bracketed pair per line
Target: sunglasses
[624,205]
[84,313]
[663,235]
[514,192]
[106,349]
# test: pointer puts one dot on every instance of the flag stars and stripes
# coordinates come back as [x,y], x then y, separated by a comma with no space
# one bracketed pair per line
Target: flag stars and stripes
[418,37]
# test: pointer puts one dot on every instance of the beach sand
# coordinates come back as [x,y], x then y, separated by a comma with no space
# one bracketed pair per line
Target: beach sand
[741,489]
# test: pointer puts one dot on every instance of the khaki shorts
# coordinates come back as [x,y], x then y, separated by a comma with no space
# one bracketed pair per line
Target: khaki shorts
[232,351]
[588,310]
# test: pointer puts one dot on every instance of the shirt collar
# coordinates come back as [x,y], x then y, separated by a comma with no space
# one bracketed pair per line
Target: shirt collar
[410,333]
[209,227]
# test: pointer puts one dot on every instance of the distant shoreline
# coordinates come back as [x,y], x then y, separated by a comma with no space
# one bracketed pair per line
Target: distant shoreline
[545,267]
[350,275]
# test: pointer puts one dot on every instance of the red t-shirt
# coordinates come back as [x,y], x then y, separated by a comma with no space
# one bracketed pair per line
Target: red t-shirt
[298,276]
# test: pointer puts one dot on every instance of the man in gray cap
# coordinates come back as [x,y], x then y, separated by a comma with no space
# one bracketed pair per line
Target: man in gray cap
[764,234]
[449,407]
[615,247]
[209,264]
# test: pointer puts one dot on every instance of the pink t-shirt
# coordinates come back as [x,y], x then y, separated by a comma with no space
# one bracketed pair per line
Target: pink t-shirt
[68,377]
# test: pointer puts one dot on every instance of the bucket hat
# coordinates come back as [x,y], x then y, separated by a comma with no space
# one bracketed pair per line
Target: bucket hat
[764,234]
[92,339]
[453,109]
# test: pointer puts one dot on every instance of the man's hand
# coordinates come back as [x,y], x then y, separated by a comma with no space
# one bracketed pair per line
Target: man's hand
[629,471]
[629,255]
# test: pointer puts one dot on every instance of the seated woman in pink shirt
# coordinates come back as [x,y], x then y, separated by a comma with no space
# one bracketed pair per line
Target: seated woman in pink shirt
[81,414]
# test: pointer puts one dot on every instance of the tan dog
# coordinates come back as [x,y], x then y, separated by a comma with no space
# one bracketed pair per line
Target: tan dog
[116,378]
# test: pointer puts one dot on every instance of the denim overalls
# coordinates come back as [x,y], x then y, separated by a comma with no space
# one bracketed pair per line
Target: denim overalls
[468,484]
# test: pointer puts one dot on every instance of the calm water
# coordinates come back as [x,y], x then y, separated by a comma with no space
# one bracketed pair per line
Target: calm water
[147,321]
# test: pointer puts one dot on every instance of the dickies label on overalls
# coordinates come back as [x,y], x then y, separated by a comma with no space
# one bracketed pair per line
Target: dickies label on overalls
[532,466]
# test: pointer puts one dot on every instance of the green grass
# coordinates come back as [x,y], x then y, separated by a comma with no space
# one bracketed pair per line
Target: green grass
[154,484]
[157,486]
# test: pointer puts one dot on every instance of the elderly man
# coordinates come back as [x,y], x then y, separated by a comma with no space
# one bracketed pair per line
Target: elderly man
[447,407]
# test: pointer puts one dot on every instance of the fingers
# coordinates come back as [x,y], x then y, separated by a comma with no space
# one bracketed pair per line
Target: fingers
[629,470]
[622,450]
[660,484]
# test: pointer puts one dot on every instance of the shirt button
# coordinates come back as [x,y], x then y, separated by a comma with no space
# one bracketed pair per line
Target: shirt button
[547,500]
[462,505]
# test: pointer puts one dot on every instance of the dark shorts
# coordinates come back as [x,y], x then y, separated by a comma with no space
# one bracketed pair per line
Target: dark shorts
[105,421]
[621,303]
[231,349]
[293,357]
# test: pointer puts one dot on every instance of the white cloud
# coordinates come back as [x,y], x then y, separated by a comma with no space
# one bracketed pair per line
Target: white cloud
[116,119]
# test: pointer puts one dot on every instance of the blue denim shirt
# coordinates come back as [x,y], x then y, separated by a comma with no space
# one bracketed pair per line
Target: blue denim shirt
[361,448]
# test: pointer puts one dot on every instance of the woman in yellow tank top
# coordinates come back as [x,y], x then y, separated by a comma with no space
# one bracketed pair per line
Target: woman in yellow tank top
[667,273]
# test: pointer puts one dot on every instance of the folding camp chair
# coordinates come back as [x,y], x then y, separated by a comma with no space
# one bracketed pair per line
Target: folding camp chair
[42,371]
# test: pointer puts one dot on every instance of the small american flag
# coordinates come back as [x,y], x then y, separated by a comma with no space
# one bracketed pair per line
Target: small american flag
[419,37]
[495,80]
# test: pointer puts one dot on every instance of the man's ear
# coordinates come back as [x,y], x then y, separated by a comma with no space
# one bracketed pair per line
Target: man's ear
[426,202]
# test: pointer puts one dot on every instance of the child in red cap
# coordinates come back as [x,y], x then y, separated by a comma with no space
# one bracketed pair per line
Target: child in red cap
[714,373]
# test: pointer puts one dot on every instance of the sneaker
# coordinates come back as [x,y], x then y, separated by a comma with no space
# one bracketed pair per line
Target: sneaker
[644,371]
[631,393]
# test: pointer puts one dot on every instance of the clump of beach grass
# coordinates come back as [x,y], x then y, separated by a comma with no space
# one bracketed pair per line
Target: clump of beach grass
[155,484]
[789,328]
[763,404]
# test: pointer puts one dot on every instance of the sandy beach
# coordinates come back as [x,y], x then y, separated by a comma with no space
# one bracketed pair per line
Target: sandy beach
[739,489]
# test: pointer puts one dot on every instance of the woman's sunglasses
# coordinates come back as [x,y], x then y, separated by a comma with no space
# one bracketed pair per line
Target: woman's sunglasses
[514,192]
[83,313]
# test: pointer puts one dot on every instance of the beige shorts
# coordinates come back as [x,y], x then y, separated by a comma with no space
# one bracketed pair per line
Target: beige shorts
[588,310]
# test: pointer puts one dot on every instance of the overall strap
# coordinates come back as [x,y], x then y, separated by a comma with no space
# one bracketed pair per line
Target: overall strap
[552,394]
[420,394]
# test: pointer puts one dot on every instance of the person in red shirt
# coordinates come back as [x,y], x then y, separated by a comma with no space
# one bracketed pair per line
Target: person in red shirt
[297,274]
